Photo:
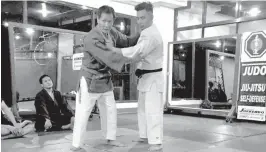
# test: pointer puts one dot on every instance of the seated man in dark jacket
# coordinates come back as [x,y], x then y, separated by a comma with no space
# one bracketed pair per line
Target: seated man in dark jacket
[51,109]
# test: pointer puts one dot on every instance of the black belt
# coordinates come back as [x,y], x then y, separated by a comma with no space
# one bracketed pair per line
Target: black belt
[140,72]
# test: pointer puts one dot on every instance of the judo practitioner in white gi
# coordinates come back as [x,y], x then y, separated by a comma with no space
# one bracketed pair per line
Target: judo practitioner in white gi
[148,52]
[95,77]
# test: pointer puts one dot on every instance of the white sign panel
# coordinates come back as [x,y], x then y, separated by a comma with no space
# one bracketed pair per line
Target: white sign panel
[252,93]
[77,61]
[251,113]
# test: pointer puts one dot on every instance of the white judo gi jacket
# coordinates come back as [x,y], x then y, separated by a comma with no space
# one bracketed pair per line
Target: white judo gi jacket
[149,54]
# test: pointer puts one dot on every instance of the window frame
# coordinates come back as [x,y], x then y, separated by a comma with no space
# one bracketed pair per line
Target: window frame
[204,25]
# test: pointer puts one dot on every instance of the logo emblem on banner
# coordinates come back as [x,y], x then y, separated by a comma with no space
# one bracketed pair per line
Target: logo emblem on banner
[255,44]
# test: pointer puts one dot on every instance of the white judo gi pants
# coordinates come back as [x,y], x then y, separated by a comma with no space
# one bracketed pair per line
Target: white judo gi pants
[150,115]
[85,102]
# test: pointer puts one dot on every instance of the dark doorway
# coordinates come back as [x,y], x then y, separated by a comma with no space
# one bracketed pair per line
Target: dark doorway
[6,93]
[182,71]
[200,72]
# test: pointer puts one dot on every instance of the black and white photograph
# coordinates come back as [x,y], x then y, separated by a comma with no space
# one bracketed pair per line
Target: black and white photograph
[133,76]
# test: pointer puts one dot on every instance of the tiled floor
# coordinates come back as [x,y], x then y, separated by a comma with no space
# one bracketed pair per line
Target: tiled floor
[181,134]
[28,107]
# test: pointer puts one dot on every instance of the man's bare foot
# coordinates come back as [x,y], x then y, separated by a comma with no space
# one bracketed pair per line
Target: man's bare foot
[141,140]
[75,148]
[115,143]
[156,147]
[11,136]
[66,127]
[25,123]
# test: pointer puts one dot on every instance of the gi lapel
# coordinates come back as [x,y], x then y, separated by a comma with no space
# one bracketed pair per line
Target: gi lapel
[50,98]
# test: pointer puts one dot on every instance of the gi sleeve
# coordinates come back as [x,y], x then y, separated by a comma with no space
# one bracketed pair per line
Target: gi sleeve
[40,107]
[144,46]
[102,54]
[123,40]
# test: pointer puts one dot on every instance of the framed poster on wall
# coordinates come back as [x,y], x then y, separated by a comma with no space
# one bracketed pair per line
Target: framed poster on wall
[77,61]
[252,93]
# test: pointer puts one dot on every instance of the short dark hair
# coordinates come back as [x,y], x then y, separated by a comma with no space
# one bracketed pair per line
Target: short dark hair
[105,9]
[17,95]
[210,84]
[144,6]
[43,76]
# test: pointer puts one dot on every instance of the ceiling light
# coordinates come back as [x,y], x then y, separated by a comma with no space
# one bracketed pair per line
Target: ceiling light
[122,26]
[254,11]
[238,7]
[44,10]
[218,44]
[181,47]
[5,24]
[17,37]
[49,55]
[222,57]
[29,31]
[84,7]
[225,49]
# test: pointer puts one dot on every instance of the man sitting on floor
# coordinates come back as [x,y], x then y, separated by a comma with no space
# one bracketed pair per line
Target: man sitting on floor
[10,128]
[51,109]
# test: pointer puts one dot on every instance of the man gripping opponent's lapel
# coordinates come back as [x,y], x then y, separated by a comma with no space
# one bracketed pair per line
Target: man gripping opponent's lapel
[95,78]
